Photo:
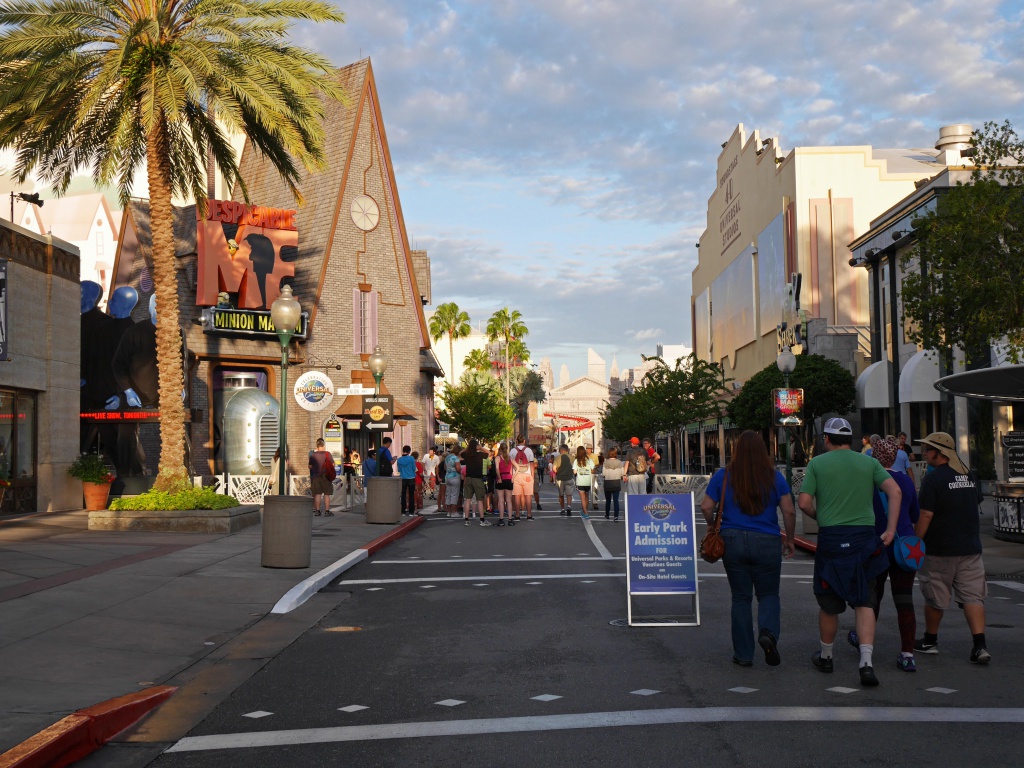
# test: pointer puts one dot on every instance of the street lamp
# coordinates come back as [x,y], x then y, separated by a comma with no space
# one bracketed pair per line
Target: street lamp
[378,363]
[786,362]
[286,314]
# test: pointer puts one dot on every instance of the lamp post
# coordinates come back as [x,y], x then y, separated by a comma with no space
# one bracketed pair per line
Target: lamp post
[286,313]
[377,363]
[786,362]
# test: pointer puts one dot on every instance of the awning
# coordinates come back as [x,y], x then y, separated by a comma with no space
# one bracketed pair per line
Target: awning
[873,386]
[352,408]
[918,377]
[1005,382]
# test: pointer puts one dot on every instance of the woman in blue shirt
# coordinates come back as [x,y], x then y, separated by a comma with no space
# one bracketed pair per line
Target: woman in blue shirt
[752,492]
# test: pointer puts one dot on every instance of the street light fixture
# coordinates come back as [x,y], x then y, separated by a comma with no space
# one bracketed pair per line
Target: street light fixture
[786,362]
[378,363]
[286,312]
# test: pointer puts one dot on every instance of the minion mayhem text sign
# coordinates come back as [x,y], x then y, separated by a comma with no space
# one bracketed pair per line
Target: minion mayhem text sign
[661,551]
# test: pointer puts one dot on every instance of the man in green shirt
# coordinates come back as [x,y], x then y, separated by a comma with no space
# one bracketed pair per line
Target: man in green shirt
[838,490]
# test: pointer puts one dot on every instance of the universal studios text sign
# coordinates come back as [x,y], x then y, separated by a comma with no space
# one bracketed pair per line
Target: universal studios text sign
[314,391]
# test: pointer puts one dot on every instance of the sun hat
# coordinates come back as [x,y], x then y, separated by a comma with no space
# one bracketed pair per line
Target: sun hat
[838,426]
[885,452]
[943,443]
[634,441]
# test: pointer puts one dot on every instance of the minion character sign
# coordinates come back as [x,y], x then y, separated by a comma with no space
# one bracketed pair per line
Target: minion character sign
[314,391]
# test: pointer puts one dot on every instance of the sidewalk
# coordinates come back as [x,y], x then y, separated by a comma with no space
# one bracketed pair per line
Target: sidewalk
[89,615]
[1003,559]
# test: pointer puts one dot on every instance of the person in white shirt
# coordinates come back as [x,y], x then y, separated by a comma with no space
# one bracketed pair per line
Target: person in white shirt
[430,462]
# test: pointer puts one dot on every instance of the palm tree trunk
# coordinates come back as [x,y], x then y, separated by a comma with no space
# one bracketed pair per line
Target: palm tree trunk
[172,474]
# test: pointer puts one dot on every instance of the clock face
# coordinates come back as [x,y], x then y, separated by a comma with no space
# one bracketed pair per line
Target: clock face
[365,213]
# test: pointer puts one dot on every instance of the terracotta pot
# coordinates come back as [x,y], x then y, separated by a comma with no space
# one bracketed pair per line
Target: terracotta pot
[96,495]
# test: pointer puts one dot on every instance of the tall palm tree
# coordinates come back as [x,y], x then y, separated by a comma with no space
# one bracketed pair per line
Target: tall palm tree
[111,85]
[449,319]
[507,326]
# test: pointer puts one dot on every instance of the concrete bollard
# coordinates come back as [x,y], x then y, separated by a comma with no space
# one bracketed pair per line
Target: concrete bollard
[287,531]
[383,500]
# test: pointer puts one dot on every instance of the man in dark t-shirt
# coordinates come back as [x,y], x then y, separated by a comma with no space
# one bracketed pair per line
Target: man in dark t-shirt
[475,487]
[950,527]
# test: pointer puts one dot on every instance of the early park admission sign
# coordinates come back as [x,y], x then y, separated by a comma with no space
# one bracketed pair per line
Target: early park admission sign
[661,551]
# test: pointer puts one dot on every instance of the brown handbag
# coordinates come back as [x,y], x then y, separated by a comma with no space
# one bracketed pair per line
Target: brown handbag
[712,546]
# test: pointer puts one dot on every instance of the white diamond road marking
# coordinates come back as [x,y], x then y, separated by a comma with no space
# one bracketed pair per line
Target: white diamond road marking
[582,554]
[374,589]
[257,714]
[481,585]
[541,554]
[450,702]
[533,583]
[428,586]
[1002,598]
[941,690]
[804,582]
[588,581]
[352,708]
[742,689]
[455,555]
[841,689]
[545,697]
[497,555]
[644,692]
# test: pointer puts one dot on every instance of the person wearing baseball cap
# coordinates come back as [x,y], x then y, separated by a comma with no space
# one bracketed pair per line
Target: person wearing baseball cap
[950,526]
[838,489]
[636,468]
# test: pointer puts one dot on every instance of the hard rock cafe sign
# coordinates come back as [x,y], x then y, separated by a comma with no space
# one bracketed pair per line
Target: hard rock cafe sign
[239,252]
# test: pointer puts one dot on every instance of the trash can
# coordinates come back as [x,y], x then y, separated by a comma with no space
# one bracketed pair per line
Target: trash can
[383,500]
[287,531]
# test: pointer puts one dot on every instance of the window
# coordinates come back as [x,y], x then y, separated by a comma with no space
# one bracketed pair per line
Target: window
[18,450]
[364,321]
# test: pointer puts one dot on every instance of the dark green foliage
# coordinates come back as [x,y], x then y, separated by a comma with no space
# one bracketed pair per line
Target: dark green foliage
[190,498]
[475,409]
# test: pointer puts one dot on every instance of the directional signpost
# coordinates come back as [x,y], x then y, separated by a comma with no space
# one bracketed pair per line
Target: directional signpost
[378,412]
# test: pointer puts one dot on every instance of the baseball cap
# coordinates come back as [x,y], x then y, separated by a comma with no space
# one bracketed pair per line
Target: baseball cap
[634,441]
[838,426]
[943,443]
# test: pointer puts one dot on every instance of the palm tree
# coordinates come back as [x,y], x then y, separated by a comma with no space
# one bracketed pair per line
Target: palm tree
[529,388]
[113,84]
[449,319]
[507,326]
[477,360]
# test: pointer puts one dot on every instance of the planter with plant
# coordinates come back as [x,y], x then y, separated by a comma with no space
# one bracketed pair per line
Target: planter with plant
[96,479]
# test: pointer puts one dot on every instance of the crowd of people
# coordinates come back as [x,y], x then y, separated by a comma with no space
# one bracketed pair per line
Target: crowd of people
[873,528]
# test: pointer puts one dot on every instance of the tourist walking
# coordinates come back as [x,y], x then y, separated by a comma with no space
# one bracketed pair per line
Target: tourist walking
[564,477]
[636,468]
[653,457]
[321,479]
[612,477]
[407,471]
[475,488]
[452,483]
[838,490]
[503,484]
[747,494]
[583,469]
[430,462]
[522,478]
[419,481]
[385,459]
[950,527]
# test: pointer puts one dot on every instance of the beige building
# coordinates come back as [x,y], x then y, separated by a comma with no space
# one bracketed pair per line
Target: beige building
[574,408]
[774,213]
[39,372]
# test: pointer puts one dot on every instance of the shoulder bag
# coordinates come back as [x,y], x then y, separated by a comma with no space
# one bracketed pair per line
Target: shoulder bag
[712,546]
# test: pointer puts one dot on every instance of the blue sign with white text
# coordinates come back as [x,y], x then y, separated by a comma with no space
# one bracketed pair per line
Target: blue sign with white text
[661,553]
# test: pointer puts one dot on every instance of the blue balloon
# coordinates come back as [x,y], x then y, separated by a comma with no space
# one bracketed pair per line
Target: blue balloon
[91,293]
[123,301]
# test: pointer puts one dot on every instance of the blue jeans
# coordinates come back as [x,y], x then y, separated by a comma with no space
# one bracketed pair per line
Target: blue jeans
[753,563]
[611,501]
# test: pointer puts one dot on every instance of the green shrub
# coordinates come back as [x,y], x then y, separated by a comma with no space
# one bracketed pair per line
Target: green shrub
[190,498]
[89,468]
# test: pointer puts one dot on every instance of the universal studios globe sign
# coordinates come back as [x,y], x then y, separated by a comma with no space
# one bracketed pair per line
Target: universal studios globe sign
[314,391]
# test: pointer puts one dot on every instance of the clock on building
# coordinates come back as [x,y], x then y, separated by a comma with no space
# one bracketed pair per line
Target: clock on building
[365,213]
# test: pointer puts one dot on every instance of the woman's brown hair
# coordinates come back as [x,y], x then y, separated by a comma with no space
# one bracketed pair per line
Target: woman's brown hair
[581,456]
[751,473]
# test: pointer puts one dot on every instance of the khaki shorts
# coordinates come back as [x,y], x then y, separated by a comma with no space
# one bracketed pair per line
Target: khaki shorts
[475,488]
[960,576]
[321,485]
[522,484]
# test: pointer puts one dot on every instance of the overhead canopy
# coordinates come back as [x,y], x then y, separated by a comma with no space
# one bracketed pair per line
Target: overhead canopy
[1004,382]
[352,408]
[873,386]
[917,379]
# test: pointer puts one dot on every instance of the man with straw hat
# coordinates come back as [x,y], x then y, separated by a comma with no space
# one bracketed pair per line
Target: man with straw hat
[949,525]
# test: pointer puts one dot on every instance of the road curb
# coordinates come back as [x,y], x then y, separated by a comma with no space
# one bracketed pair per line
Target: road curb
[305,589]
[83,732]
[810,546]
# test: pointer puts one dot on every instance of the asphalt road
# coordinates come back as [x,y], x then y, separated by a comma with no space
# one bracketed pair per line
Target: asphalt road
[493,646]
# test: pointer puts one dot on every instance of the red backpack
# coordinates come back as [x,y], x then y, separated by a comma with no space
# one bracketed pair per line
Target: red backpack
[521,464]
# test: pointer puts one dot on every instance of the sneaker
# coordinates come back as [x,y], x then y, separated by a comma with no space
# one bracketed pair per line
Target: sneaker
[980,656]
[853,640]
[584,515]
[511,522]
[742,662]
[484,524]
[905,662]
[867,677]
[822,665]
[467,521]
[922,646]
[501,523]
[771,651]
[539,508]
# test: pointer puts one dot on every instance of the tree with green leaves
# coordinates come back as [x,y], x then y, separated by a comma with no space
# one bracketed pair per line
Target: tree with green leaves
[449,320]
[527,387]
[477,360]
[828,389]
[962,277]
[507,326]
[113,85]
[476,410]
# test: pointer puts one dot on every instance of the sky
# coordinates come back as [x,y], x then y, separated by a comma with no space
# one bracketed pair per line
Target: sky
[556,156]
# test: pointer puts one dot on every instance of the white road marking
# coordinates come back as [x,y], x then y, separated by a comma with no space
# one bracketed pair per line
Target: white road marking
[841,689]
[941,690]
[644,692]
[534,583]
[449,702]
[432,579]
[481,585]
[1014,585]
[743,689]
[428,586]
[1002,598]
[598,544]
[545,697]
[257,714]
[375,589]
[718,715]
[534,559]
[352,708]
[587,581]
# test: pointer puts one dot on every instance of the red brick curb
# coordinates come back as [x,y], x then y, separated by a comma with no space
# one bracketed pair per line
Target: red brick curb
[382,541]
[82,733]
[810,546]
